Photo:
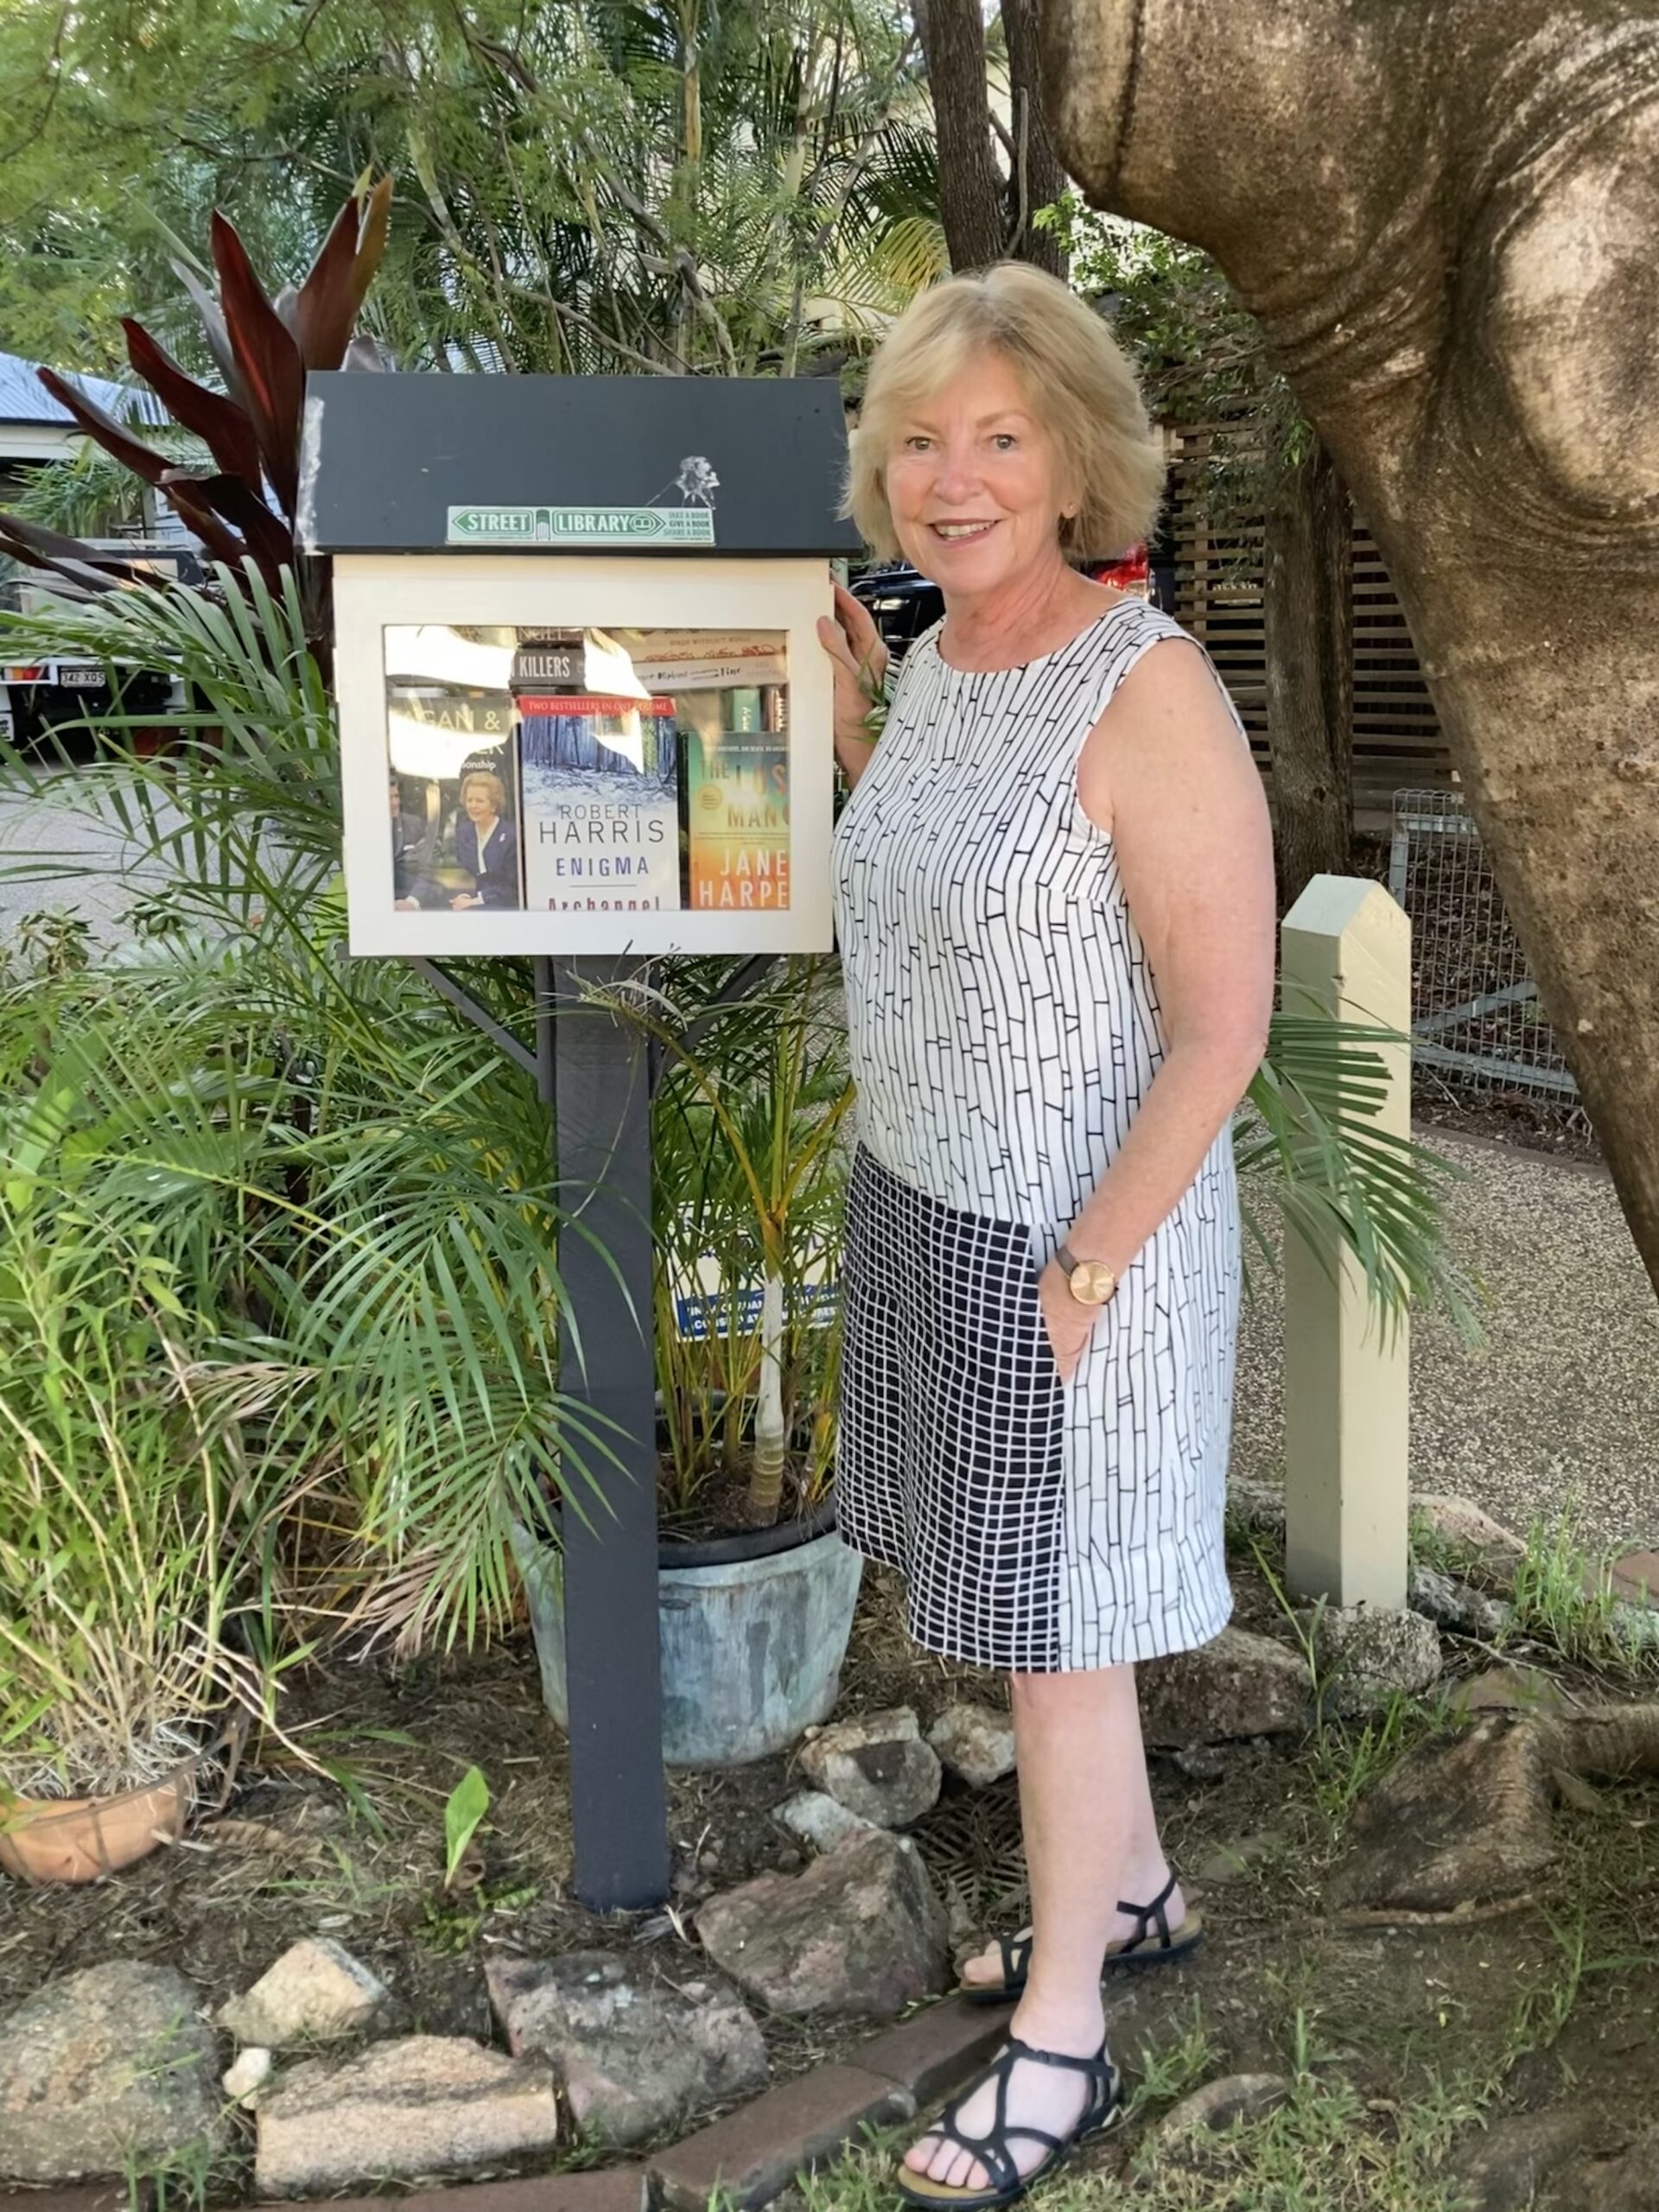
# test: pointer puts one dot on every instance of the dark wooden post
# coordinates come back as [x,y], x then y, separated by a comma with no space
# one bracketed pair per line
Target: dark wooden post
[593,1069]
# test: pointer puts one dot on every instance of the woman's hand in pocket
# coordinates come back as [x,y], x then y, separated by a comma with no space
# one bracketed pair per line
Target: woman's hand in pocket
[1070,1325]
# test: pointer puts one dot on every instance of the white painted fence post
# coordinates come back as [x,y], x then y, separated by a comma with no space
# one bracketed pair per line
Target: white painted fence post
[1345,946]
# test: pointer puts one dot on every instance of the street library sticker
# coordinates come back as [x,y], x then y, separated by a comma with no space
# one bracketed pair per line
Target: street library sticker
[686,526]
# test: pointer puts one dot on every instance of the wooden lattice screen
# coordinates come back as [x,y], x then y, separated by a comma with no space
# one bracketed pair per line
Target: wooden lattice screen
[1397,740]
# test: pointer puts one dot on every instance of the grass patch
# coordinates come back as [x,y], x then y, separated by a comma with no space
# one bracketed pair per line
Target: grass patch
[188,2177]
[1563,1597]
[859,2180]
[1346,1759]
[1325,2149]
[1429,1547]
[1170,2070]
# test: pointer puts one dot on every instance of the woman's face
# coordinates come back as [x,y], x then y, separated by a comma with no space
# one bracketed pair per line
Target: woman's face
[479,801]
[975,483]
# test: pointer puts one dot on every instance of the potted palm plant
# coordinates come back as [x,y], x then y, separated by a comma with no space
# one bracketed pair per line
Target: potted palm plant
[757,1592]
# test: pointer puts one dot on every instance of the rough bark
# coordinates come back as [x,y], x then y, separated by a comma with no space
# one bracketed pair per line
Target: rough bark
[1036,179]
[1463,1819]
[1444,218]
[971,203]
[1306,595]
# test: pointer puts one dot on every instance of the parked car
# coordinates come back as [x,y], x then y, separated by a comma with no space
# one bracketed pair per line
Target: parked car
[47,709]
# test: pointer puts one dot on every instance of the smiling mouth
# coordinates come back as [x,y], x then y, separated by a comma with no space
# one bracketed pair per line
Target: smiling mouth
[957,533]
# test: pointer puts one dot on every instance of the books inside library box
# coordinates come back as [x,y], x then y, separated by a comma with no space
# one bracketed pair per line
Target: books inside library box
[603,771]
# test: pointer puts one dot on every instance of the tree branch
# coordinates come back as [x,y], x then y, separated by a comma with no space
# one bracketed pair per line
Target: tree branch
[615,344]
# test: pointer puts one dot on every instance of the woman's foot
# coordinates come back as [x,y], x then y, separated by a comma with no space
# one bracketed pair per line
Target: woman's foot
[1050,2098]
[985,1969]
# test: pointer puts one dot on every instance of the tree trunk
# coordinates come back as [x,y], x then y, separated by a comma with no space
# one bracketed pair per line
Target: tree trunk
[1037,179]
[1448,239]
[971,203]
[767,1478]
[1307,617]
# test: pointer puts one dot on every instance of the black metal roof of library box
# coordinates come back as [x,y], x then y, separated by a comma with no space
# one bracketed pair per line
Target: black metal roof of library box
[713,465]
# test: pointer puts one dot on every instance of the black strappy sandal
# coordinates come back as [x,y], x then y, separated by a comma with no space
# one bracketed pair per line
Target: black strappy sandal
[1136,1950]
[1103,2108]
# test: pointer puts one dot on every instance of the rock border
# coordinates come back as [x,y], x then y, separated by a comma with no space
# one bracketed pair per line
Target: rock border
[752,2155]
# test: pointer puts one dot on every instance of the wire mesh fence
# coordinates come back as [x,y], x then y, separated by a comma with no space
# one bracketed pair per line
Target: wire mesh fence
[1475,1013]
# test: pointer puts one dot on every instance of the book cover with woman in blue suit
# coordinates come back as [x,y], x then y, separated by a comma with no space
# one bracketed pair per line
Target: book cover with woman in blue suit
[486,844]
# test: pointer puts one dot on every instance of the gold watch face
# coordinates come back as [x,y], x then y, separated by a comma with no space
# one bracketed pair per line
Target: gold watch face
[1092,1282]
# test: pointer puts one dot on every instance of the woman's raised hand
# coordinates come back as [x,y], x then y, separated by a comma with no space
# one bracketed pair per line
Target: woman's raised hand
[854,645]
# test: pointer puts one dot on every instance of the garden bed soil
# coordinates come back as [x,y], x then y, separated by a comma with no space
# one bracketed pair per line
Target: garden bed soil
[1528,1999]
[719,1505]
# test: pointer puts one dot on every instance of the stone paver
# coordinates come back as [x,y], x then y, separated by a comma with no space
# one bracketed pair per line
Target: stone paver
[420,2105]
[616,2189]
[754,2153]
[105,2069]
[935,2051]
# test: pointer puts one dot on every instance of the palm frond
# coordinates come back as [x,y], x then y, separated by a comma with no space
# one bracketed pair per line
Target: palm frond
[1309,1140]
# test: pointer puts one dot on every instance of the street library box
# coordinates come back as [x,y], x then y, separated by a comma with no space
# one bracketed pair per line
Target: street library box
[583,706]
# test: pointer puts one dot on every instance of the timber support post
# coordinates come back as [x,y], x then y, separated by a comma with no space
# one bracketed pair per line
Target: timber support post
[1346,950]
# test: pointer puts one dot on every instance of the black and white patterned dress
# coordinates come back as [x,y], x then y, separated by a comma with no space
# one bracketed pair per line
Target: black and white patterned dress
[1004,1031]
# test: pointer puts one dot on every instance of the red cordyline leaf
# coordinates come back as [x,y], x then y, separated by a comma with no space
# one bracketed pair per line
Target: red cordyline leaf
[270,540]
[133,452]
[32,542]
[222,425]
[213,324]
[332,296]
[178,489]
[268,362]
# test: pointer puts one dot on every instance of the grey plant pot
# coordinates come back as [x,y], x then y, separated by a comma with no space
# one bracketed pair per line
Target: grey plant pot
[754,1629]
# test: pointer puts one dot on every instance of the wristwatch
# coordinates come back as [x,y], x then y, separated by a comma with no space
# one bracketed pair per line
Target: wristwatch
[1091,1281]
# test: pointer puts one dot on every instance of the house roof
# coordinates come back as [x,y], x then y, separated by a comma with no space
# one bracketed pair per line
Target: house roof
[24,398]
[429,463]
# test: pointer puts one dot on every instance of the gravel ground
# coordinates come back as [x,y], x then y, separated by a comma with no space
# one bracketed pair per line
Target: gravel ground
[1562,1402]
[38,837]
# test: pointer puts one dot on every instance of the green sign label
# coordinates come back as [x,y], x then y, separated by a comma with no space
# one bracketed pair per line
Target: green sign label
[691,525]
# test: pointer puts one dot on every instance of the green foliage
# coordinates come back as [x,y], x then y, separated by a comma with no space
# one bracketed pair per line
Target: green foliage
[1199,354]
[600,186]
[350,1194]
[92,494]
[1171,2069]
[1309,1142]
[748,1171]
[1562,1596]
[467,1804]
[129,1518]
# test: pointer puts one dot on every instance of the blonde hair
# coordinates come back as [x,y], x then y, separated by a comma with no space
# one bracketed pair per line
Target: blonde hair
[497,789]
[1076,381]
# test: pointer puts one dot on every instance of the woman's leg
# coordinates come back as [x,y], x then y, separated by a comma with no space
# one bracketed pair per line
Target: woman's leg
[1091,1838]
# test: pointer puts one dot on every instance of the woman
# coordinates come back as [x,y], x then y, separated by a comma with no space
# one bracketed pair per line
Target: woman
[1055,904]
[486,845]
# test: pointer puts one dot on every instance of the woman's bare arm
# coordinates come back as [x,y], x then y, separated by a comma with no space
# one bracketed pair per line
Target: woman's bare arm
[1166,774]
